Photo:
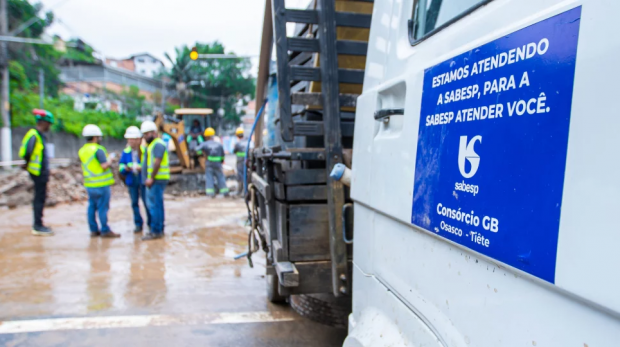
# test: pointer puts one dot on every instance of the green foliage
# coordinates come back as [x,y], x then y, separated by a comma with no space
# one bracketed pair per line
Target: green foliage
[67,119]
[133,102]
[217,82]
[32,57]
[18,76]
[79,55]
[170,108]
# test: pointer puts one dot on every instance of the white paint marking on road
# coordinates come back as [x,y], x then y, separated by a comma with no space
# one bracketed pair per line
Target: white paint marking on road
[83,323]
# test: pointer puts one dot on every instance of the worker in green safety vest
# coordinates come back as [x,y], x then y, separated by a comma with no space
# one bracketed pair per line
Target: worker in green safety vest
[33,151]
[155,175]
[194,139]
[215,158]
[239,150]
[98,178]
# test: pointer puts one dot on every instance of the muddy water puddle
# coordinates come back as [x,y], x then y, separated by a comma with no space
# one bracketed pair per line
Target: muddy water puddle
[190,270]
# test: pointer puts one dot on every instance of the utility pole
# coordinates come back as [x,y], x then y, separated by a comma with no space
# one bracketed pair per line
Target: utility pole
[41,88]
[4,93]
[163,96]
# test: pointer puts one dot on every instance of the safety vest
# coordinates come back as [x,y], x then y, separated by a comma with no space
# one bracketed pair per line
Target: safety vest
[199,139]
[94,175]
[36,157]
[241,154]
[164,166]
[130,164]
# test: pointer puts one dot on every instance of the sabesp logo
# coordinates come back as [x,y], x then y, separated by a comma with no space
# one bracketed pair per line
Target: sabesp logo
[466,151]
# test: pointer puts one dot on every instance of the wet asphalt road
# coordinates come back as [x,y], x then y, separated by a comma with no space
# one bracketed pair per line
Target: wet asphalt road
[184,290]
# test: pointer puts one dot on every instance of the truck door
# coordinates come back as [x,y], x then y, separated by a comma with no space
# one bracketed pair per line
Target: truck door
[482,159]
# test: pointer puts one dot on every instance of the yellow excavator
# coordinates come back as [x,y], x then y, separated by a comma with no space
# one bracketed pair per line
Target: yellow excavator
[175,128]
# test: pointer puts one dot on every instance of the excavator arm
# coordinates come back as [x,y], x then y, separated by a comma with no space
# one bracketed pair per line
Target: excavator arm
[176,130]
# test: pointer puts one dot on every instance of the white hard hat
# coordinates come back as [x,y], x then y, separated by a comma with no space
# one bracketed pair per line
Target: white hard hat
[133,133]
[91,130]
[148,126]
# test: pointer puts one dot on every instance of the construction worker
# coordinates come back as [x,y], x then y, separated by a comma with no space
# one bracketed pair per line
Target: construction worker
[155,176]
[130,167]
[33,151]
[196,130]
[215,158]
[98,178]
[194,139]
[239,150]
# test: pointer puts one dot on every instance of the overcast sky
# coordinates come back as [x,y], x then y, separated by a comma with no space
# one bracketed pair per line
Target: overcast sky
[120,28]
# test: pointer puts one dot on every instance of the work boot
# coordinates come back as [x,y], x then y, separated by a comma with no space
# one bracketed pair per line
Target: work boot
[151,236]
[95,234]
[138,229]
[110,235]
[40,230]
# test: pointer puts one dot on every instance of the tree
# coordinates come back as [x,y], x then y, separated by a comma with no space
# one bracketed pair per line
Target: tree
[213,83]
[26,59]
[181,72]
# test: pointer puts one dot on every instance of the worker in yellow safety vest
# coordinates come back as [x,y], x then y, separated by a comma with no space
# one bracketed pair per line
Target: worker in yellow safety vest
[239,150]
[33,150]
[215,159]
[155,175]
[98,178]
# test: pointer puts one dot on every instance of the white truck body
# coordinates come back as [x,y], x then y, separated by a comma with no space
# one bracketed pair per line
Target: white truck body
[547,273]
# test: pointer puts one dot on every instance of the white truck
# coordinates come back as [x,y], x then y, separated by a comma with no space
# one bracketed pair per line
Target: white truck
[486,175]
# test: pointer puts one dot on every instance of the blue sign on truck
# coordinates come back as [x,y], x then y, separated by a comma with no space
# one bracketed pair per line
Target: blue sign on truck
[492,145]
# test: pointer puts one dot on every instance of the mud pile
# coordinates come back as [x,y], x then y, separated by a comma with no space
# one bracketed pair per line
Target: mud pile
[65,185]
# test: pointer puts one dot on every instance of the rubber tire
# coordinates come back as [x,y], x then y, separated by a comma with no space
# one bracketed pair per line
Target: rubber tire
[272,290]
[323,308]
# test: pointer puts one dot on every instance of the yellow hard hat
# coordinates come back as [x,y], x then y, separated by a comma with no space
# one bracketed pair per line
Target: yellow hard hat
[239,131]
[209,132]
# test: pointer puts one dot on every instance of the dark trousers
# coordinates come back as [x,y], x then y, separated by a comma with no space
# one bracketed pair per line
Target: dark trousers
[40,194]
[214,172]
[240,172]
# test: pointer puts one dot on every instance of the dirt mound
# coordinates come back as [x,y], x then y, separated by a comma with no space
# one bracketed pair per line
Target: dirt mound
[65,185]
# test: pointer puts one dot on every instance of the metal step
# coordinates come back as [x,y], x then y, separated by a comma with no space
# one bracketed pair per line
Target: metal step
[306,193]
[316,99]
[352,47]
[354,20]
[297,44]
[351,76]
[299,73]
[316,128]
[343,19]
[288,275]
[301,16]
[302,73]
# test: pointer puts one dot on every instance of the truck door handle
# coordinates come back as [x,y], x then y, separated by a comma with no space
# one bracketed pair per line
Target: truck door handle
[387,112]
